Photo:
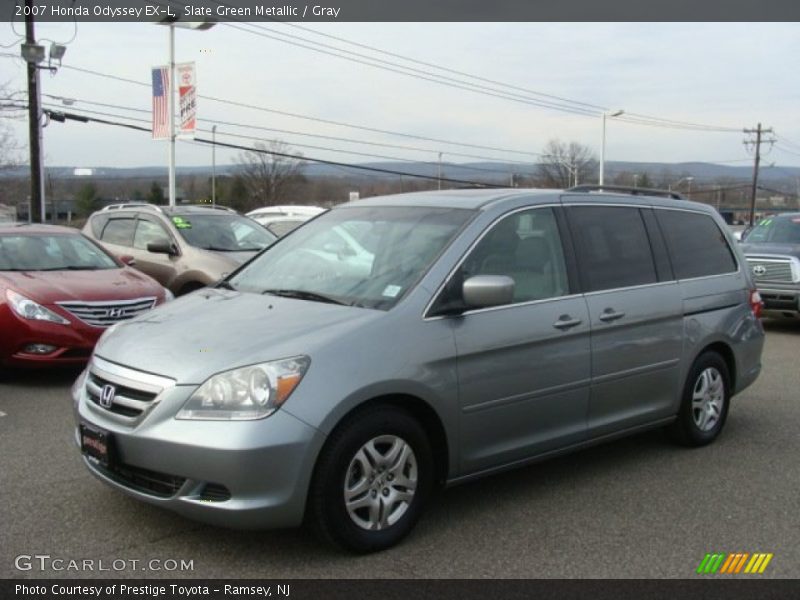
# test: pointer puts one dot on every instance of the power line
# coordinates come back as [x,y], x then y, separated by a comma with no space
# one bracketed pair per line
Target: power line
[578,107]
[300,133]
[327,149]
[63,115]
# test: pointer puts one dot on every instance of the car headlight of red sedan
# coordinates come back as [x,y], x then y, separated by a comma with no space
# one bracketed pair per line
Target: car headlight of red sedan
[28,309]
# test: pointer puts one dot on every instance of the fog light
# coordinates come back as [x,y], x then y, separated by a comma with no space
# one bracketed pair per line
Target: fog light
[40,349]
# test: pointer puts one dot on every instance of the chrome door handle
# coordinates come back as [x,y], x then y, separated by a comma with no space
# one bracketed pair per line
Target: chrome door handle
[610,314]
[565,322]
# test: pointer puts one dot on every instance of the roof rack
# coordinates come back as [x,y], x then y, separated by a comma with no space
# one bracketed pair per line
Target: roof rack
[132,205]
[633,191]
[214,207]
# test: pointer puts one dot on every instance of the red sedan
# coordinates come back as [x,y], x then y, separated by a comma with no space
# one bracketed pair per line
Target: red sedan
[59,291]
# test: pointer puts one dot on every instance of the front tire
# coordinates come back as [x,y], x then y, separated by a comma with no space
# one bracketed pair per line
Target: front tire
[372,480]
[706,398]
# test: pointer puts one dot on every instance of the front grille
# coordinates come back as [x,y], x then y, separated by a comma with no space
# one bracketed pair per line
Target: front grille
[105,314]
[126,401]
[143,480]
[215,492]
[773,269]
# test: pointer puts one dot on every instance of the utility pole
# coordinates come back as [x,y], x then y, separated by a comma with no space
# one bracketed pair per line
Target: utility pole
[758,131]
[214,165]
[440,171]
[36,207]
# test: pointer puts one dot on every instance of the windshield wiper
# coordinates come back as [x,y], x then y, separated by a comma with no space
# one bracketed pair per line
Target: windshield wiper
[225,286]
[218,249]
[69,268]
[304,295]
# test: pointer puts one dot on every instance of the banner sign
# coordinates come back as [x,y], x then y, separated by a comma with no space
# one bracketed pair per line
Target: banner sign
[161,88]
[187,93]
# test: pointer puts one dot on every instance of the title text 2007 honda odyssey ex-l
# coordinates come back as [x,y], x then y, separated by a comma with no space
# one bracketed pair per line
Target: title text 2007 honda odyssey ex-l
[490,329]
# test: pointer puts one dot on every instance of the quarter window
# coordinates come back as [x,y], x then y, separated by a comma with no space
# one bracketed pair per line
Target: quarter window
[525,246]
[612,247]
[696,244]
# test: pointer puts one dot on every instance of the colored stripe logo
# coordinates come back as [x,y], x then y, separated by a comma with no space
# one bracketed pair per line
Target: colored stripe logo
[731,564]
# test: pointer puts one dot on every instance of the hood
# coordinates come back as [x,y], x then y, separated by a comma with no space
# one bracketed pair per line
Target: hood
[769,248]
[49,287]
[214,330]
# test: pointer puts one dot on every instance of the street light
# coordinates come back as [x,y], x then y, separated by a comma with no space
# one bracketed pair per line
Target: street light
[34,54]
[616,113]
[196,26]
[689,180]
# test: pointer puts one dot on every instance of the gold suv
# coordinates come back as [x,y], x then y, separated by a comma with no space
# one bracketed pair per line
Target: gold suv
[183,247]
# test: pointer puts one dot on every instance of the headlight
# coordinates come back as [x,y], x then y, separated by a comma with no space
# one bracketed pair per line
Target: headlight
[168,296]
[28,309]
[246,393]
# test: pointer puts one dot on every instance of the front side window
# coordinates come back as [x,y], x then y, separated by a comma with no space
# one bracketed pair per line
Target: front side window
[325,259]
[222,233]
[697,246]
[52,253]
[119,231]
[148,232]
[612,247]
[525,246]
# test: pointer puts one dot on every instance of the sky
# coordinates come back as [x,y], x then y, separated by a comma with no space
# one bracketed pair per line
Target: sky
[728,74]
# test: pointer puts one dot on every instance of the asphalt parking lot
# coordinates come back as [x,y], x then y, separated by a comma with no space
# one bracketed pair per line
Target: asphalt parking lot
[639,507]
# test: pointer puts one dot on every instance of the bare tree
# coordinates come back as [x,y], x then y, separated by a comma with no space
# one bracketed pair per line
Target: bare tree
[564,165]
[9,148]
[267,174]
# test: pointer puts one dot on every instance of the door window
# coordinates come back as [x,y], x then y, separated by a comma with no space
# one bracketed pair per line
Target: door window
[525,246]
[612,247]
[119,231]
[148,232]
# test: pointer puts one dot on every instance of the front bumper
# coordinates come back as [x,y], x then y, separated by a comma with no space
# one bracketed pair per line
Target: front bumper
[73,343]
[780,301]
[244,474]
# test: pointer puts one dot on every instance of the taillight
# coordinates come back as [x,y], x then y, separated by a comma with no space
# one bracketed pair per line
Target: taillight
[756,303]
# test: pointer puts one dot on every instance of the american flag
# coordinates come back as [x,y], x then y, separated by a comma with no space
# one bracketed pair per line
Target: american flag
[160,103]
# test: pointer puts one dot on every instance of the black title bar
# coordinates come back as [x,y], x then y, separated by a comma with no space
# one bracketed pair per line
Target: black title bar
[402,10]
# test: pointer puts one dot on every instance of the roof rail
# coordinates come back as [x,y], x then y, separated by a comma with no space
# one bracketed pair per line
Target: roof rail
[132,205]
[633,191]
[214,206]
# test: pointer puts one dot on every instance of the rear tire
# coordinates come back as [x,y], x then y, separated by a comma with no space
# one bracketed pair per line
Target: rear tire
[706,398]
[372,480]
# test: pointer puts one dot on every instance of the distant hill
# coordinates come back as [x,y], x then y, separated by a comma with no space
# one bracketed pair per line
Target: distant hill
[702,172]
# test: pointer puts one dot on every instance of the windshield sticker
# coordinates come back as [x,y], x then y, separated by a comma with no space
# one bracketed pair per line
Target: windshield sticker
[181,223]
[391,291]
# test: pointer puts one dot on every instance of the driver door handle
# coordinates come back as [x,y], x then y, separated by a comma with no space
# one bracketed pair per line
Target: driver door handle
[610,314]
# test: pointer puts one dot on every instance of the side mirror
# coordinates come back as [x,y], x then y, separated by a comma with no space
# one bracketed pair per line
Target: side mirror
[129,260]
[162,248]
[483,291]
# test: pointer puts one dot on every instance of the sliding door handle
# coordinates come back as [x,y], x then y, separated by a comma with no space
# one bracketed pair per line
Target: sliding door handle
[565,322]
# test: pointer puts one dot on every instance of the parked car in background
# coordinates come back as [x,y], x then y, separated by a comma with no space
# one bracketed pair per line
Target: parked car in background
[280,220]
[772,249]
[59,291]
[184,248]
[492,328]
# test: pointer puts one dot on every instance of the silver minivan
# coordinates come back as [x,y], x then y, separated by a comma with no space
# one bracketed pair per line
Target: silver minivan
[490,329]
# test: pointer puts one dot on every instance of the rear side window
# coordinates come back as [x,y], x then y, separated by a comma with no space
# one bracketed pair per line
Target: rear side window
[119,231]
[612,247]
[696,244]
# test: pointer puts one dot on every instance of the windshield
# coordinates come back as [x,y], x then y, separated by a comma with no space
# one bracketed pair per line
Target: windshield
[42,252]
[368,257]
[776,231]
[222,233]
